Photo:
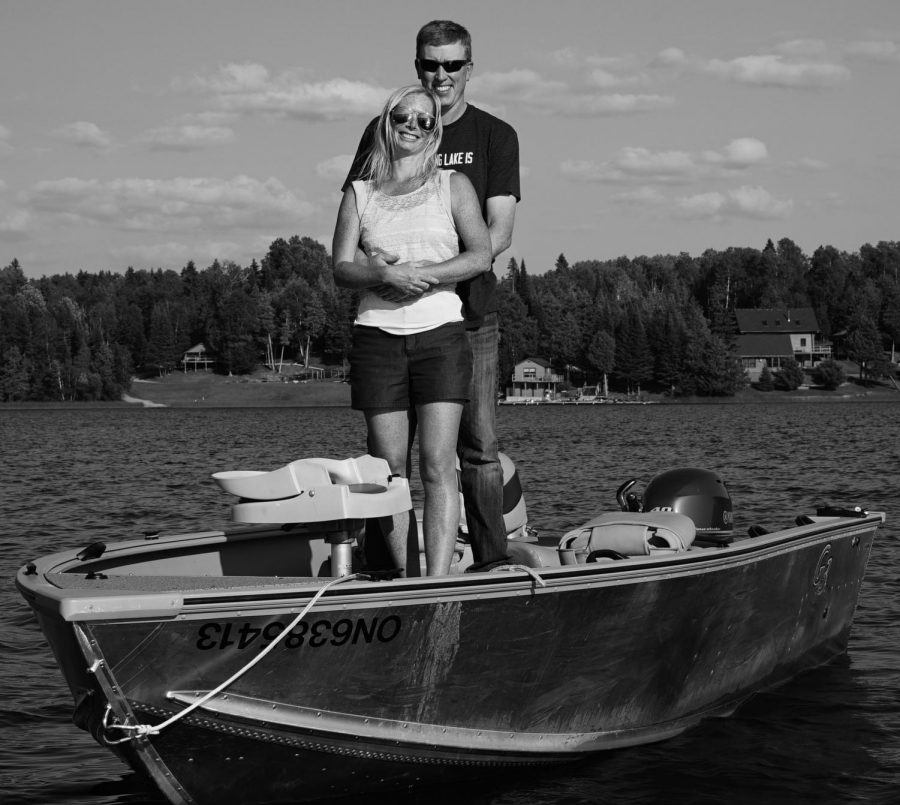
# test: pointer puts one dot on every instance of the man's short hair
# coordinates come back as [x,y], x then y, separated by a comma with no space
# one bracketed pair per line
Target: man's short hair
[443,32]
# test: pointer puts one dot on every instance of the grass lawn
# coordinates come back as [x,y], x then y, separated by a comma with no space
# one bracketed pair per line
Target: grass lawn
[194,389]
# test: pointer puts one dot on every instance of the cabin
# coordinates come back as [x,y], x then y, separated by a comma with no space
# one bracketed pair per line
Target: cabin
[197,357]
[771,336]
[533,379]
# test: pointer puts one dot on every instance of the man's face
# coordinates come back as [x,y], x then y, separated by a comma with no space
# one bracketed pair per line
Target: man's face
[450,87]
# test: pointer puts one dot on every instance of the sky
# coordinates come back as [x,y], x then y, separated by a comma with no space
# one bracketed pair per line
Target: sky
[148,134]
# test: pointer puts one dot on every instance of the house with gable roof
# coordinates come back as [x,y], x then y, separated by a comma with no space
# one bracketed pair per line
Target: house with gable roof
[770,336]
[197,357]
[533,379]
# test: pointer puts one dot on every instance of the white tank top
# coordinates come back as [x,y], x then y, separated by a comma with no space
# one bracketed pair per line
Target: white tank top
[415,226]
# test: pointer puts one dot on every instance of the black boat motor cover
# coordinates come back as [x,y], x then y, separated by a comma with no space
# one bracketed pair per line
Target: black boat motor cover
[699,494]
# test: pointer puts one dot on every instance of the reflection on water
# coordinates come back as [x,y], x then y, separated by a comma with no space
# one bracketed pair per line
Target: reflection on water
[832,736]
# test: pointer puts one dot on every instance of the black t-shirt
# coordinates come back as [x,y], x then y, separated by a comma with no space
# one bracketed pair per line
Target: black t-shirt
[486,150]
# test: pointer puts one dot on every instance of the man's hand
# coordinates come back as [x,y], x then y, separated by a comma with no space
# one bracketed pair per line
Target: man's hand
[404,281]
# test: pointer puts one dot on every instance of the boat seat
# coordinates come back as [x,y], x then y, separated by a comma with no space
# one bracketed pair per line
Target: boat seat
[315,490]
[628,534]
[299,476]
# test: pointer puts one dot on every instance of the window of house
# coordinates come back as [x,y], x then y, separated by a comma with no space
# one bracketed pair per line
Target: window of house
[802,342]
[529,373]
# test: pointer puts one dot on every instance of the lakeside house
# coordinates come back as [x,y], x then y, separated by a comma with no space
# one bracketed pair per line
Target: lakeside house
[770,336]
[197,357]
[533,379]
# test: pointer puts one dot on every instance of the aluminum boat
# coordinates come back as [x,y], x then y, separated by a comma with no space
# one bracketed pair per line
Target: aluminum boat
[264,663]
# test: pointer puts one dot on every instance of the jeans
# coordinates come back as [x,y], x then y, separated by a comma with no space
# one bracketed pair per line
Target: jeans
[481,473]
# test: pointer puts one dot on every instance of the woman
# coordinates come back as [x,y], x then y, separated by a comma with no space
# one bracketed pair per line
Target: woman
[410,361]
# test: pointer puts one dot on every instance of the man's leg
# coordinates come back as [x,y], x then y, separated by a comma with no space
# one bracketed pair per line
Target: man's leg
[481,474]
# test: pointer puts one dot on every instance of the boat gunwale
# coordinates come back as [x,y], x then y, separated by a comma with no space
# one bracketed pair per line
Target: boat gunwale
[293,592]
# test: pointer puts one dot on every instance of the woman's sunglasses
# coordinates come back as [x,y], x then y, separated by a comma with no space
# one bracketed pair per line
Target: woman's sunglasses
[432,65]
[425,121]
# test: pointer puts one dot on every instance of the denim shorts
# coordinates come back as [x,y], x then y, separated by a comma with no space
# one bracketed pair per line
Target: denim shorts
[401,371]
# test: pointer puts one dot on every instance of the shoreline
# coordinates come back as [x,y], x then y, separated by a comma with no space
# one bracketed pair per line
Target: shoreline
[263,390]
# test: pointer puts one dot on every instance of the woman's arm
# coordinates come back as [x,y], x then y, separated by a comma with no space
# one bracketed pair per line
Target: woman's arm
[406,278]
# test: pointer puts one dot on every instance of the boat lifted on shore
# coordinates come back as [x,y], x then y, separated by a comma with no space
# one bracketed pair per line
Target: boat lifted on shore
[263,663]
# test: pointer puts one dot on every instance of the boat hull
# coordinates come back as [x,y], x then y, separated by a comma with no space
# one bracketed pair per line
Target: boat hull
[387,685]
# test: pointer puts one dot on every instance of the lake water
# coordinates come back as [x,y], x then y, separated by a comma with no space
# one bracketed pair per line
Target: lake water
[71,476]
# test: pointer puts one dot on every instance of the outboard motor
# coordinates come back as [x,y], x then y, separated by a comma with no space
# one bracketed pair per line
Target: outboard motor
[515,514]
[699,494]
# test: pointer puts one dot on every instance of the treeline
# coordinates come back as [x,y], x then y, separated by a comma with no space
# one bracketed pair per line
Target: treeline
[84,336]
[663,321]
[668,321]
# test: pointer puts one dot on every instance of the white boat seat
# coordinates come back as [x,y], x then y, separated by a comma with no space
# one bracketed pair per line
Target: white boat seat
[315,490]
[298,476]
[628,534]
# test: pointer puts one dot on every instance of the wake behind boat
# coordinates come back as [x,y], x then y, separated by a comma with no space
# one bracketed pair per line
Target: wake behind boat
[264,663]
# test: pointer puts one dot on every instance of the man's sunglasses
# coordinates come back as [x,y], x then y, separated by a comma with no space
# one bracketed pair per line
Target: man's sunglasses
[425,121]
[433,65]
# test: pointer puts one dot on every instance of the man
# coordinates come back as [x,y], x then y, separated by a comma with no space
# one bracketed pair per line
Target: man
[486,150]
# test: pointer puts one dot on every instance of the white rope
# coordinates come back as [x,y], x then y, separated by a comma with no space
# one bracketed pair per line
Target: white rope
[529,570]
[147,729]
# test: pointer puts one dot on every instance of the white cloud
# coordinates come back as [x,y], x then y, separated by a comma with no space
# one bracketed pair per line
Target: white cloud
[807,164]
[85,135]
[188,137]
[774,71]
[529,89]
[803,47]
[605,79]
[512,85]
[162,205]
[670,57]
[641,197]
[742,202]
[335,168]
[660,164]
[875,49]
[5,135]
[643,165]
[15,225]
[739,154]
[250,88]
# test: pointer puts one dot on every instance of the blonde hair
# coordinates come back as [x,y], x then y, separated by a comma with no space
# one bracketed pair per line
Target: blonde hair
[378,165]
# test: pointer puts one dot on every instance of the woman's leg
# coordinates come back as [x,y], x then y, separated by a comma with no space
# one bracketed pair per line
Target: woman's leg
[438,429]
[389,438]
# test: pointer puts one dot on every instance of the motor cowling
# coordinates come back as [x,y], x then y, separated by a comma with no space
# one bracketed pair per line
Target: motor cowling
[515,513]
[699,494]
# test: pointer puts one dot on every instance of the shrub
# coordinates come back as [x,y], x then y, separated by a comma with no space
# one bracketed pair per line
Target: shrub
[829,374]
[791,375]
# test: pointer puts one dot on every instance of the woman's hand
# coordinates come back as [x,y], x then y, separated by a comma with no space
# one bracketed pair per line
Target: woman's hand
[404,280]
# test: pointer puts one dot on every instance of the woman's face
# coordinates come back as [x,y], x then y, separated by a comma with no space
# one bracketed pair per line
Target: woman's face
[412,123]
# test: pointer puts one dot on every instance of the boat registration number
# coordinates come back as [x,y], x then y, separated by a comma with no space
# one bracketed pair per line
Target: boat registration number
[316,634]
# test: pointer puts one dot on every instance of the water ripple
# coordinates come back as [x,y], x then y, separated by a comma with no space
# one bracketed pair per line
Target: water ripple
[71,477]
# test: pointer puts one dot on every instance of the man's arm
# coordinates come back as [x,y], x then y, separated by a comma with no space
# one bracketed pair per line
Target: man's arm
[501,218]
[408,279]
